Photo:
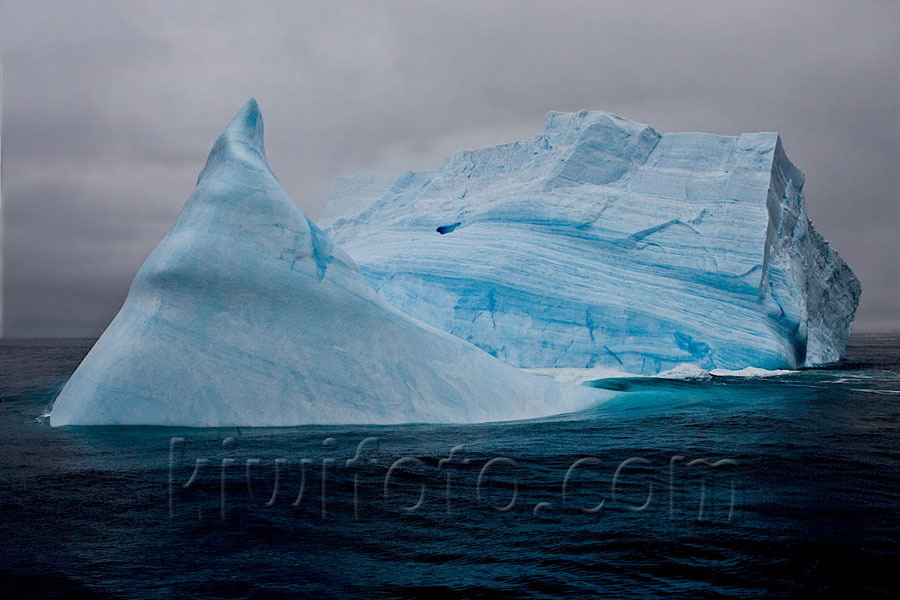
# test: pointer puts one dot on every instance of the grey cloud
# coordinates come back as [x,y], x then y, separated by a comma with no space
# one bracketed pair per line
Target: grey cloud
[110,108]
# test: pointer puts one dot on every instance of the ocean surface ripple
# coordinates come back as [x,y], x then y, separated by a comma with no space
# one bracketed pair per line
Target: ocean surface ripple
[802,501]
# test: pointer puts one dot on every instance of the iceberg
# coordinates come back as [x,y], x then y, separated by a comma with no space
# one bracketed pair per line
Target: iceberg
[247,314]
[603,243]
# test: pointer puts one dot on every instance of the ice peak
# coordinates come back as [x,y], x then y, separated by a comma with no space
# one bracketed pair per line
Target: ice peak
[247,126]
[580,127]
[247,314]
[241,140]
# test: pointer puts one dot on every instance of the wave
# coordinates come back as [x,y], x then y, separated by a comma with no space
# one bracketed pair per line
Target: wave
[880,392]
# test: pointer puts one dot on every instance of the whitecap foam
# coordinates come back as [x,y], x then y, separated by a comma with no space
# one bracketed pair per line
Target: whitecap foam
[577,376]
[751,372]
[684,371]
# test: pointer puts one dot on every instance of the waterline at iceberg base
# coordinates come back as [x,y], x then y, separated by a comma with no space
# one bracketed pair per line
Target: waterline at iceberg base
[603,243]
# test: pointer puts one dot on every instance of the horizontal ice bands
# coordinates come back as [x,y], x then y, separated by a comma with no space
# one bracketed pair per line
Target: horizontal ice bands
[604,243]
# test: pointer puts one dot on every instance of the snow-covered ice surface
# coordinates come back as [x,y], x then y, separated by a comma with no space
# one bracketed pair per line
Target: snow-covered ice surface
[604,243]
[248,314]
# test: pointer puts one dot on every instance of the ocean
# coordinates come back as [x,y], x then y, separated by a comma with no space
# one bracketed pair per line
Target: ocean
[700,487]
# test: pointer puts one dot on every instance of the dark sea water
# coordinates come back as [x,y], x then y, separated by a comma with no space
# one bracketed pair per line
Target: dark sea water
[804,500]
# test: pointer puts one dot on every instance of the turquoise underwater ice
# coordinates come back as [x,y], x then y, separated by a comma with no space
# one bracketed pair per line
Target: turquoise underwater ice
[247,314]
[602,243]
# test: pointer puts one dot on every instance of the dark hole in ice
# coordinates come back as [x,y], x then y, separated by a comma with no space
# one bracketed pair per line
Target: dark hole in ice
[447,228]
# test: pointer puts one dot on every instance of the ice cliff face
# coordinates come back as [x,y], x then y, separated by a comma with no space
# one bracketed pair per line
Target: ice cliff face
[248,314]
[603,242]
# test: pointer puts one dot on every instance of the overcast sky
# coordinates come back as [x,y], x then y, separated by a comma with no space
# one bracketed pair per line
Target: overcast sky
[110,109]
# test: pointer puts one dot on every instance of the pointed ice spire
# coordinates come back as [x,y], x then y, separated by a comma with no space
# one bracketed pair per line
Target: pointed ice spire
[247,127]
[242,140]
[246,314]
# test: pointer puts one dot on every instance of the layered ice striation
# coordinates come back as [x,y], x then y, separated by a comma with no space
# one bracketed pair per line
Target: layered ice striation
[604,243]
[248,314]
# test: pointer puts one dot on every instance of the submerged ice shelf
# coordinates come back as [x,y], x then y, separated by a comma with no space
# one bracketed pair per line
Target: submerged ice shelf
[602,243]
[248,314]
